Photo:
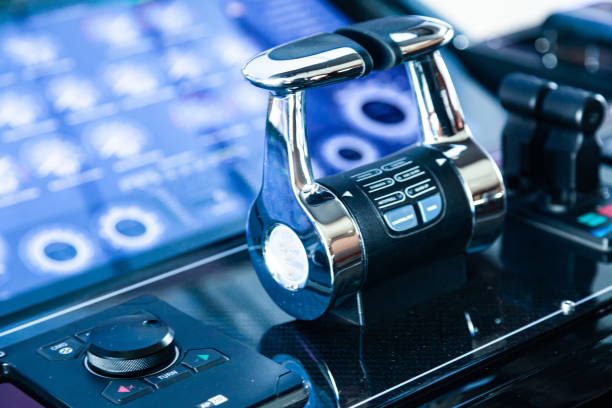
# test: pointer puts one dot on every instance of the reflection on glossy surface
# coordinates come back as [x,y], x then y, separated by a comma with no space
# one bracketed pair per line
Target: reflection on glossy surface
[412,350]
[512,295]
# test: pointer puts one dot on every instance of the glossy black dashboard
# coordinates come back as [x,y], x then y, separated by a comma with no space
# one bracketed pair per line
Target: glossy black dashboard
[510,299]
[509,326]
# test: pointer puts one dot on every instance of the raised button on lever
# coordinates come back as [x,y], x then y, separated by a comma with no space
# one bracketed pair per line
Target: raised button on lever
[315,243]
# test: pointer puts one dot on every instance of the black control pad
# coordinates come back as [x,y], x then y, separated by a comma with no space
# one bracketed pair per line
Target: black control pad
[206,368]
[589,224]
[404,191]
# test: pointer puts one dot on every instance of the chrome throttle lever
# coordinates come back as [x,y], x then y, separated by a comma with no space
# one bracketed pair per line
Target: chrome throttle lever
[414,40]
[315,243]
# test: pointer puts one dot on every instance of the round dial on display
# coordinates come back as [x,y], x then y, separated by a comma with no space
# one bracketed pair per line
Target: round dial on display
[131,346]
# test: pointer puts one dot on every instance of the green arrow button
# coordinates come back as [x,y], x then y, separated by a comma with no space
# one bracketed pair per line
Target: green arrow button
[204,356]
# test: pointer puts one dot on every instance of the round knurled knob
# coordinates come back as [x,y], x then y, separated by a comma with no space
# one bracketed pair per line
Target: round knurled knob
[131,346]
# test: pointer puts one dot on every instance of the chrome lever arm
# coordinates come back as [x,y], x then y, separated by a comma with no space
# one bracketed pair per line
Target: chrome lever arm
[415,41]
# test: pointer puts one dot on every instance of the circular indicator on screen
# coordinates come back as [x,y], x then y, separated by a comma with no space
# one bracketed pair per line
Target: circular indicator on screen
[59,251]
[383,112]
[346,152]
[130,227]
[380,110]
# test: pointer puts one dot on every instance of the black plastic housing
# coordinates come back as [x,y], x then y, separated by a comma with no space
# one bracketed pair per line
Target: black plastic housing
[388,252]
[241,376]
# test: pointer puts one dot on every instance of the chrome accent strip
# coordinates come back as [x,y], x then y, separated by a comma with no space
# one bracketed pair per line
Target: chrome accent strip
[443,126]
[288,174]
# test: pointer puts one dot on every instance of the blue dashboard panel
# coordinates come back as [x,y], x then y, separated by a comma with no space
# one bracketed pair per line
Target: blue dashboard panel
[128,135]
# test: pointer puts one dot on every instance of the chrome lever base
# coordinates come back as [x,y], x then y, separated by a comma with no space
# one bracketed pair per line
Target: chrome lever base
[328,238]
[443,127]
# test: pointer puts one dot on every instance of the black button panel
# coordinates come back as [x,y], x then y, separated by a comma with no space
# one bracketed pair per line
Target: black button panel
[198,360]
[66,349]
[83,336]
[168,377]
[405,193]
[202,374]
[203,359]
[124,391]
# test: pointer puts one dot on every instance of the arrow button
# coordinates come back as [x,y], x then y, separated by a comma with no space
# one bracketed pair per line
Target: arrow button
[203,359]
[123,391]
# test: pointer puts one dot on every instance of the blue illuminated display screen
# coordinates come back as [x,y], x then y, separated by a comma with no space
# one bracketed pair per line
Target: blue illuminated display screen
[128,135]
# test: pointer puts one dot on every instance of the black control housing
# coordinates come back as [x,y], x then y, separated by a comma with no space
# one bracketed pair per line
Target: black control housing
[210,369]
[549,142]
[523,136]
[405,204]
[551,159]
[373,35]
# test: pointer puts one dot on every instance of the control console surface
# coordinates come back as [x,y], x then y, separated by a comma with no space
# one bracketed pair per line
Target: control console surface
[145,353]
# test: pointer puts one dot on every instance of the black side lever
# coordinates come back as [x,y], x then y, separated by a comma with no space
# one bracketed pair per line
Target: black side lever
[549,141]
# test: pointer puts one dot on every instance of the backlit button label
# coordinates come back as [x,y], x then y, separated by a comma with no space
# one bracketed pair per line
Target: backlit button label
[592,219]
[168,377]
[396,164]
[401,219]
[409,174]
[390,199]
[430,207]
[379,184]
[63,350]
[420,188]
[213,402]
[364,175]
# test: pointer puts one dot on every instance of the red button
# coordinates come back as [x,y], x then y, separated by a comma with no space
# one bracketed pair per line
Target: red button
[122,391]
[605,210]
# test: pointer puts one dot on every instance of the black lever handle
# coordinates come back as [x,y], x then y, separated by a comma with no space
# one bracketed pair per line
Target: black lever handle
[549,141]
[395,40]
